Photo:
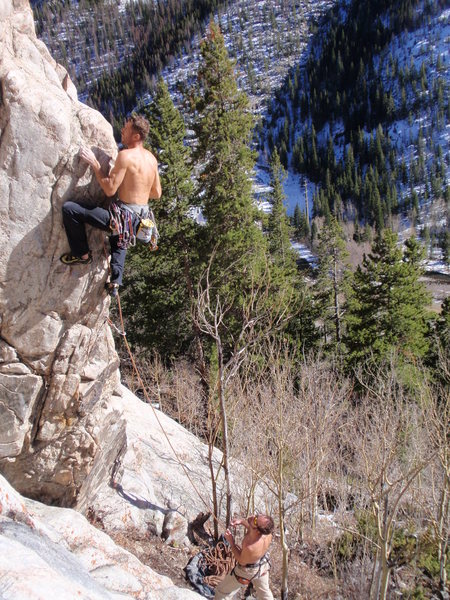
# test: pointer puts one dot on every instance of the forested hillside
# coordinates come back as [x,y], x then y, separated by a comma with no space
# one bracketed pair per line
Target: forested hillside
[115,51]
[365,119]
[362,119]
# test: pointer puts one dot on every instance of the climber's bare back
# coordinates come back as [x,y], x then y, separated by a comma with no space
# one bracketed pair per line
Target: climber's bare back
[140,176]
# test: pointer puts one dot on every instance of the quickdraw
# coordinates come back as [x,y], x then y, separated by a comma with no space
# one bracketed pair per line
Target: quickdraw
[122,225]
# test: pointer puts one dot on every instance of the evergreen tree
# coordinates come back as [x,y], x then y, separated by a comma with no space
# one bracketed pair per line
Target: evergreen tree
[160,286]
[386,307]
[224,126]
[332,280]
[279,231]
[439,351]
[444,243]
[241,265]
[297,218]
[300,224]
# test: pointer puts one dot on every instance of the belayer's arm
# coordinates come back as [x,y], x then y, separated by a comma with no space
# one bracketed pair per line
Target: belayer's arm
[236,550]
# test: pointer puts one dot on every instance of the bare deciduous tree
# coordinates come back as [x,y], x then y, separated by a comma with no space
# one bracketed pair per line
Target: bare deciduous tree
[436,406]
[258,318]
[389,453]
[287,438]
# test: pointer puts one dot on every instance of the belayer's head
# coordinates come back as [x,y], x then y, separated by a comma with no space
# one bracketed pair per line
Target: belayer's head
[135,130]
[262,523]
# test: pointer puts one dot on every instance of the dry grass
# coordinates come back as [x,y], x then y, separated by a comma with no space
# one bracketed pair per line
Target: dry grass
[153,552]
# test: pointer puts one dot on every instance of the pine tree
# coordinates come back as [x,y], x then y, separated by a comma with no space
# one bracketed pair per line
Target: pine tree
[224,126]
[332,282]
[444,243]
[386,308]
[279,231]
[297,218]
[160,286]
[300,224]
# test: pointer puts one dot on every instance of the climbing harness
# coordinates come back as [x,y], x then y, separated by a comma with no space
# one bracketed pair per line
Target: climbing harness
[243,580]
[265,558]
[247,581]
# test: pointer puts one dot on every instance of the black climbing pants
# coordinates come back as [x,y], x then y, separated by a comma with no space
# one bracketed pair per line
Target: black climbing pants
[75,216]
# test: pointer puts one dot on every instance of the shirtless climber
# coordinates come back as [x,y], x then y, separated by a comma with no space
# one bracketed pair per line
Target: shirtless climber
[135,177]
[252,559]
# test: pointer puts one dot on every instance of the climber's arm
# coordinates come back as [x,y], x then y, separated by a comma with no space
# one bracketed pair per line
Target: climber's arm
[109,184]
[156,191]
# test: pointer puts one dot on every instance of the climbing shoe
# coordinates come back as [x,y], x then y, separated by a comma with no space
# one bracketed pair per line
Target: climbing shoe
[70,259]
[112,288]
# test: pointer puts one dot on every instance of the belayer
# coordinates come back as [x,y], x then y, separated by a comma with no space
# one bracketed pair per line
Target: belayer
[135,177]
[252,559]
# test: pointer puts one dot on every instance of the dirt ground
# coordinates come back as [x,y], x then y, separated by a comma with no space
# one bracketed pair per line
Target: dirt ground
[159,556]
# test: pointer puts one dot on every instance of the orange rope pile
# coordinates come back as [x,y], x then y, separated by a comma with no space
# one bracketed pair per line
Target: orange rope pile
[218,561]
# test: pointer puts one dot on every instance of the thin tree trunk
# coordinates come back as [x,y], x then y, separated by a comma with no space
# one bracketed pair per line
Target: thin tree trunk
[195,328]
[385,551]
[284,546]
[214,489]
[302,520]
[385,571]
[375,581]
[225,444]
[251,497]
[285,562]
[443,516]
[306,202]
[337,319]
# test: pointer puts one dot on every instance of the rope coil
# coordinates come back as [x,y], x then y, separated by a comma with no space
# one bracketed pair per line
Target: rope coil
[219,561]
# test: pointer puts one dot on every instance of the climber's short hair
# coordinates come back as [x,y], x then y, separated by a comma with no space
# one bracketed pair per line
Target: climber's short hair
[265,524]
[140,125]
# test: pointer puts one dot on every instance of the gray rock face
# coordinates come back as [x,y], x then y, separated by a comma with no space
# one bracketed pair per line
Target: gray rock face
[150,473]
[48,552]
[57,357]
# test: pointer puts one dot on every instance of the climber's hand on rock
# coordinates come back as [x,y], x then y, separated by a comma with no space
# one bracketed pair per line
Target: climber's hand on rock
[88,156]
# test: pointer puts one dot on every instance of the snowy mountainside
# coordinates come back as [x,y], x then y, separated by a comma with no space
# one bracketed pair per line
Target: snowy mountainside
[371,140]
[94,39]
[87,38]
[265,38]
